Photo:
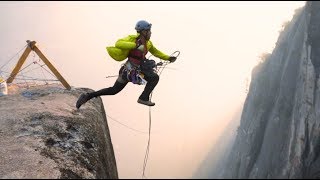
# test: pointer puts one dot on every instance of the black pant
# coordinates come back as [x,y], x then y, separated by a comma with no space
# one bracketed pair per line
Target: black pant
[151,77]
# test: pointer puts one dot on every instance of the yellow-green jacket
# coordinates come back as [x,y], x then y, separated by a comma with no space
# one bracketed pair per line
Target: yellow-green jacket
[120,51]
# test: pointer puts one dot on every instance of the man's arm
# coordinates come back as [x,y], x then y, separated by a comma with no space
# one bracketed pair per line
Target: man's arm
[154,51]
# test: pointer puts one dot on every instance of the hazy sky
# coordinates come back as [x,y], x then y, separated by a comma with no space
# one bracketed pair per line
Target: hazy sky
[219,42]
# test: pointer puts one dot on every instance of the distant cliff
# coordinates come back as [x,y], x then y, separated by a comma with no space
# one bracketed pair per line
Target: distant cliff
[279,132]
[42,135]
[214,163]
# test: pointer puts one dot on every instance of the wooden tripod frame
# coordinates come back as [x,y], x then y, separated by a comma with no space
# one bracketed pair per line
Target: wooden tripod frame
[32,46]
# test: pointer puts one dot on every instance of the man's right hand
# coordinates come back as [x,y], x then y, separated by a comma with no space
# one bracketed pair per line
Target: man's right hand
[172,59]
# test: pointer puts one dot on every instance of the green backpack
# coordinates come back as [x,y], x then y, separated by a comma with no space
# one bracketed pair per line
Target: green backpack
[117,54]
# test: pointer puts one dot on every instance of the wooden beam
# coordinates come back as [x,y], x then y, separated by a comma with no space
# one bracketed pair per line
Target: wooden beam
[51,67]
[32,46]
[19,64]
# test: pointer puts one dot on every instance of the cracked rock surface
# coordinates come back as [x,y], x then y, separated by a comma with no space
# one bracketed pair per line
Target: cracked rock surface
[43,135]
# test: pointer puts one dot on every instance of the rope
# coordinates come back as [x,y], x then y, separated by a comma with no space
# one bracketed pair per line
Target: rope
[26,67]
[48,72]
[22,73]
[25,80]
[30,78]
[34,62]
[147,150]
[126,125]
[35,68]
[112,76]
[35,79]
[12,57]
[6,63]
[148,146]
[43,75]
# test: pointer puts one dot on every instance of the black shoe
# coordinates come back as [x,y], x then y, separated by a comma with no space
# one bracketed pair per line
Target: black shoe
[148,103]
[82,99]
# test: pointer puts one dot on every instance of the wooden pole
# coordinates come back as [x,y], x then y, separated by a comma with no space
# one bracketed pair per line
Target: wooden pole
[51,67]
[32,46]
[20,62]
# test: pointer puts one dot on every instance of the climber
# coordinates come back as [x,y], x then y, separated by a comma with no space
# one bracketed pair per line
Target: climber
[137,68]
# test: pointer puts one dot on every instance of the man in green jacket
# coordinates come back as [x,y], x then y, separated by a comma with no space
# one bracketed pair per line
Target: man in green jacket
[135,48]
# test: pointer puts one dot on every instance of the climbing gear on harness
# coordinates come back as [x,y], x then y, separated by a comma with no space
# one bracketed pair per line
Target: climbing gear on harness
[143,25]
[133,73]
[147,65]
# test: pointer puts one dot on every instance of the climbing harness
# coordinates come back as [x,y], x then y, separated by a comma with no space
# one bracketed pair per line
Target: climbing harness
[133,73]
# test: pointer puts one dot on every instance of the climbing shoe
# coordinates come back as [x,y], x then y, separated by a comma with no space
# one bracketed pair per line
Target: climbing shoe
[148,103]
[82,99]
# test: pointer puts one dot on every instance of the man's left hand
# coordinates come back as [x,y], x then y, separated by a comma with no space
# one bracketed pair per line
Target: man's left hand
[172,59]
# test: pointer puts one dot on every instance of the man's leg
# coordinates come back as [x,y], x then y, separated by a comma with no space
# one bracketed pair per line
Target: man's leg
[152,79]
[116,88]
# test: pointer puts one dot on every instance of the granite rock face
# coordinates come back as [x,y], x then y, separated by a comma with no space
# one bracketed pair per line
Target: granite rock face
[279,132]
[43,135]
